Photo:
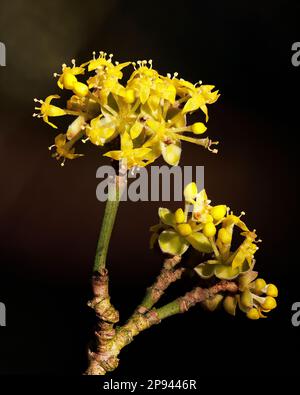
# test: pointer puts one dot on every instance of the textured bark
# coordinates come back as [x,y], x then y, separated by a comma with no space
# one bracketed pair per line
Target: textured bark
[166,277]
[105,359]
[105,331]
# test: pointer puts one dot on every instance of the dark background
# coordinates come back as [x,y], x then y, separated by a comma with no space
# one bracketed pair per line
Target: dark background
[50,217]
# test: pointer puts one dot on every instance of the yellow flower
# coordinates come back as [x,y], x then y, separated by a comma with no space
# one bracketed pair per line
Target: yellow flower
[64,149]
[142,79]
[176,237]
[68,77]
[107,77]
[245,251]
[166,140]
[132,156]
[101,130]
[199,98]
[49,110]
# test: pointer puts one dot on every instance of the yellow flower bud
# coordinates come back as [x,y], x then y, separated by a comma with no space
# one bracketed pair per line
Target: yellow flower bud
[80,89]
[69,80]
[218,212]
[209,229]
[190,192]
[129,96]
[179,216]
[206,218]
[253,314]
[224,236]
[184,229]
[269,303]
[198,128]
[259,285]
[272,290]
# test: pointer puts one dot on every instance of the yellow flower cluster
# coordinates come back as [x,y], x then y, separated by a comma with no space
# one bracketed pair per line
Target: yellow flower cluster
[255,298]
[210,230]
[146,116]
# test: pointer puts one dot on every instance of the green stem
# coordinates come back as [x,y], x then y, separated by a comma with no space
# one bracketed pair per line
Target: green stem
[169,309]
[110,213]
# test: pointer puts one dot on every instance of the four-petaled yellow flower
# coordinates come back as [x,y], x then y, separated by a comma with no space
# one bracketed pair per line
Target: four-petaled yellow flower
[128,154]
[49,110]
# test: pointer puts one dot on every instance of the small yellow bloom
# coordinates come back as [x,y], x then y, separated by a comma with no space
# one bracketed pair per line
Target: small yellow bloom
[64,149]
[67,79]
[101,130]
[49,110]
[200,98]
[132,156]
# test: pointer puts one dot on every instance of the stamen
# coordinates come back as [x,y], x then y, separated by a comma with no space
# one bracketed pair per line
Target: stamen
[63,162]
[150,63]
[51,146]
[169,75]
[175,75]
[73,61]
[85,140]
[210,143]
[94,55]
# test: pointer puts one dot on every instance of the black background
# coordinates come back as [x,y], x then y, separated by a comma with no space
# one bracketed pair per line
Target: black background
[50,217]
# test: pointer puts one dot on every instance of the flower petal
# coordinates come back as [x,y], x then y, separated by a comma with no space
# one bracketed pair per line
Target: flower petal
[225,272]
[204,270]
[200,242]
[171,153]
[172,243]
[166,216]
